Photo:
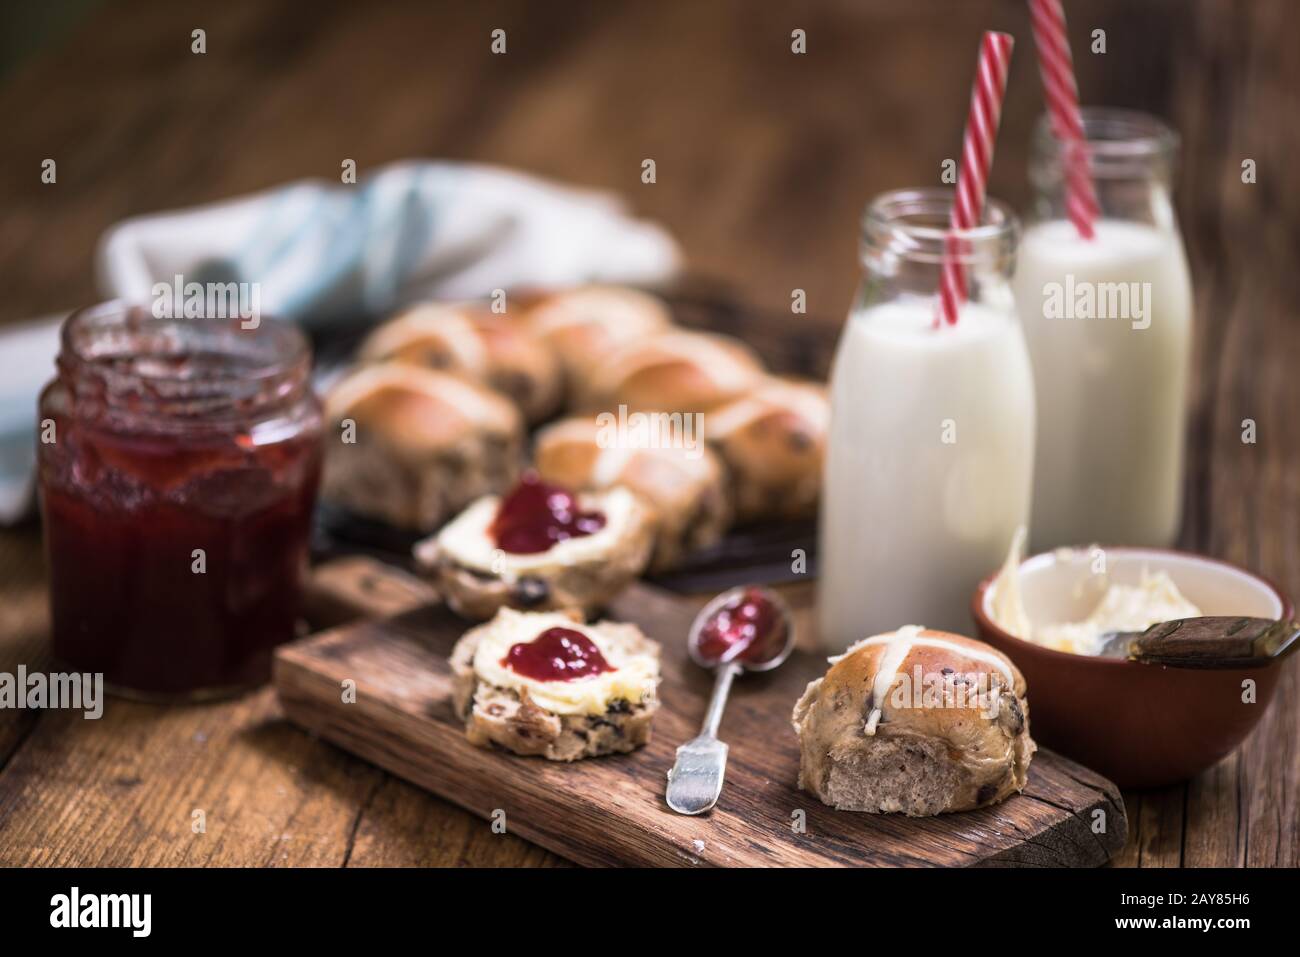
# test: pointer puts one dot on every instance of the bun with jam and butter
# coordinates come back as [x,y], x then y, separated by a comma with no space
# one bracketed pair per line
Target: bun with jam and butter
[545,684]
[685,488]
[916,722]
[539,547]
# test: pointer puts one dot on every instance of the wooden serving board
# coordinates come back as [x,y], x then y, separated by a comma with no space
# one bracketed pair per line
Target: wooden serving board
[611,810]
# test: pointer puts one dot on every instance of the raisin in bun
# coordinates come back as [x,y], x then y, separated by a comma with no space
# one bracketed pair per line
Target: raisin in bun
[584,325]
[496,350]
[685,486]
[871,738]
[679,371]
[426,444]
[773,442]
[478,575]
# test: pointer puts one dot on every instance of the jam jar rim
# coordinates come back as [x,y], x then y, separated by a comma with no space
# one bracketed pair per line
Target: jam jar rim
[160,399]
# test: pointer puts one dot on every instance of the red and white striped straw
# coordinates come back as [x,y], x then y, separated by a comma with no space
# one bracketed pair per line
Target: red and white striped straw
[976,158]
[1062,95]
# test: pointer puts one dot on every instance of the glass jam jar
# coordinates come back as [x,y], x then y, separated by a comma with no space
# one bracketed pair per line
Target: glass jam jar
[178,463]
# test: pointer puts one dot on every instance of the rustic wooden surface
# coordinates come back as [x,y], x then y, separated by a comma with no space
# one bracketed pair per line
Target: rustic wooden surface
[764,162]
[613,810]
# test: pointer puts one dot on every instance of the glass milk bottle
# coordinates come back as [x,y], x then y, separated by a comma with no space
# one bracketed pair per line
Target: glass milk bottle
[929,464]
[1109,327]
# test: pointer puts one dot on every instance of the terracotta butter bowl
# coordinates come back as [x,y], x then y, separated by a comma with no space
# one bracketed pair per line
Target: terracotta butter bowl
[1140,724]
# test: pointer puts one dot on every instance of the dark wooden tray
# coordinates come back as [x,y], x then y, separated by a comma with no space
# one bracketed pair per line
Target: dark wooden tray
[611,810]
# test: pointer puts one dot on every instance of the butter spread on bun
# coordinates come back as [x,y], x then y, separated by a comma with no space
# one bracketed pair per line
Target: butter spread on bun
[601,699]
[632,679]
[466,538]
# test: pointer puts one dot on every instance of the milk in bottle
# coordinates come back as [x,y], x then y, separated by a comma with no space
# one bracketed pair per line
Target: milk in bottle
[1108,323]
[930,457]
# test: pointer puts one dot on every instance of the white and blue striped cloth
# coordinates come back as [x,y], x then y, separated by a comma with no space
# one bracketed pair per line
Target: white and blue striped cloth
[334,253]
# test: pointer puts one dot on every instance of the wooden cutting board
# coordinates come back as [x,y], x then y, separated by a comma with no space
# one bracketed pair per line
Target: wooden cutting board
[611,811]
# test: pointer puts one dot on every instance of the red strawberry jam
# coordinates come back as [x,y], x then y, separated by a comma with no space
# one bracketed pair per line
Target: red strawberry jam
[557,654]
[177,492]
[536,516]
[747,628]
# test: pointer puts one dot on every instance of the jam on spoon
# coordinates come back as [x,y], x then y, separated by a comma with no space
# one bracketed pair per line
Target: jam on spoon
[743,628]
[557,654]
[536,516]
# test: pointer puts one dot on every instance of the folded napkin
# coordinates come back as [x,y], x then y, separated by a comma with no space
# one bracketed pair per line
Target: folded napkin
[325,253]
[27,353]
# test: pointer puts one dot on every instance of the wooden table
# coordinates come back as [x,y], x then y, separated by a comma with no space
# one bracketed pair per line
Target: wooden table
[764,160]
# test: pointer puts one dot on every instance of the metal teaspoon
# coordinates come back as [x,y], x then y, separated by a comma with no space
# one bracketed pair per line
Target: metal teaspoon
[747,628]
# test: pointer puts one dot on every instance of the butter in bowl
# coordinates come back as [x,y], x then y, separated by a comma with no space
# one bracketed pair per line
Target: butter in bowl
[1146,706]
